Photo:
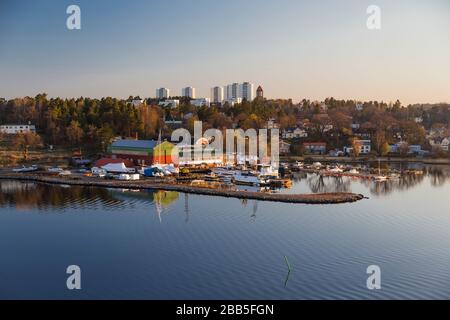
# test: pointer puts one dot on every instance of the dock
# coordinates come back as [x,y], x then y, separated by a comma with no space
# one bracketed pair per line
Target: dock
[160,184]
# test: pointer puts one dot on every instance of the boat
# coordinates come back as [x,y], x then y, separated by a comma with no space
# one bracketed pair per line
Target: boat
[380,178]
[335,170]
[65,173]
[55,170]
[26,169]
[249,178]
[353,171]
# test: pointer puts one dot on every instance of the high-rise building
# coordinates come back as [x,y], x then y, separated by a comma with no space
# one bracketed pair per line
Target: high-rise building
[240,90]
[233,91]
[162,93]
[217,95]
[247,91]
[188,92]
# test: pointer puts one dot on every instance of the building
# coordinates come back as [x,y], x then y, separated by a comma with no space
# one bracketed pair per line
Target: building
[364,146]
[217,95]
[247,91]
[136,102]
[232,91]
[141,152]
[294,133]
[285,147]
[233,101]
[172,103]
[315,147]
[260,93]
[188,92]
[272,124]
[162,93]
[17,128]
[202,102]
[240,90]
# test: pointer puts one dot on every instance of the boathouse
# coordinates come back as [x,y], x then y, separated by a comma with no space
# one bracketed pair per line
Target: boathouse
[142,152]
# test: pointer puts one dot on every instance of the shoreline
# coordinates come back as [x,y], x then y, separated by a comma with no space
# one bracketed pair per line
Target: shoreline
[439,161]
[325,198]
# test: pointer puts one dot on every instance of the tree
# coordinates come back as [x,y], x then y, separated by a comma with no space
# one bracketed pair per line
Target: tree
[25,141]
[74,132]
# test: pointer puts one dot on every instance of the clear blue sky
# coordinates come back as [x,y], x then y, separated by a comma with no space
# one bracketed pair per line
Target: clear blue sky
[293,48]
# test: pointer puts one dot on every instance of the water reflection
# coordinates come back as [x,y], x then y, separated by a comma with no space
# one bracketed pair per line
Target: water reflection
[410,177]
[28,195]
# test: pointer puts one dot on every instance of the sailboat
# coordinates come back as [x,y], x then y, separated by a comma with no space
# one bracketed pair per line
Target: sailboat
[379,177]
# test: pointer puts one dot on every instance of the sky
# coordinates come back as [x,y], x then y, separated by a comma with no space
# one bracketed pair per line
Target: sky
[293,48]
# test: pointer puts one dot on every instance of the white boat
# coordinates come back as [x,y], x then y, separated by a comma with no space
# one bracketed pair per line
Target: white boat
[335,170]
[65,173]
[380,178]
[317,165]
[353,171]
[118,168]
[98,172]
[55,170]
[249,178]
[26,169]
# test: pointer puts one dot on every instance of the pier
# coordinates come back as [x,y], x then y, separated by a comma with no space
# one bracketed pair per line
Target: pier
[161,184]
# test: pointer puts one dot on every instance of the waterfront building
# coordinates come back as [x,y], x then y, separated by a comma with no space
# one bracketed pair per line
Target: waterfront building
[285,147]
[315,147]
[142,152]
[188,92]
[162,93]
[17,128]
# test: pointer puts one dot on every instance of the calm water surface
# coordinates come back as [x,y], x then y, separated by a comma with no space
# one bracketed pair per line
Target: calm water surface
[169,245]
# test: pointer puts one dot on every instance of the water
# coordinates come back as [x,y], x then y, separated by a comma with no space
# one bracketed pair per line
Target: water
[168,245]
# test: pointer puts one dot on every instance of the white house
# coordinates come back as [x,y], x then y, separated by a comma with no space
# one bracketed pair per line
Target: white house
[365,147]
[294,133]
[172,103]
[201,102]
[17,128]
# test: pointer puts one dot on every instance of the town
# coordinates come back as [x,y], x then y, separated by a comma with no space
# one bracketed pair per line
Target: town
[335,128]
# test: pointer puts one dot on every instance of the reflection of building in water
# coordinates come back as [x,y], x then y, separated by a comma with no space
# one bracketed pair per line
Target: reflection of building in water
[163,199]
[14,186]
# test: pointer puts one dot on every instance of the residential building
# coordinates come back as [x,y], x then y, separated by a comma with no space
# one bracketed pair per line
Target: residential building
[240,90]
[285,147]
[17,128]
[271,124]
[136,102]
[217,95]
[201,102]
[233,101]
[247,91]
[172,103]
[364,147]
[232,91]
[294,133]
[188,92]
[162,93]
[315,147]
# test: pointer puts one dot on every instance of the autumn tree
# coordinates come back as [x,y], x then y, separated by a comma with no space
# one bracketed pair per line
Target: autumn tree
[74,132]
